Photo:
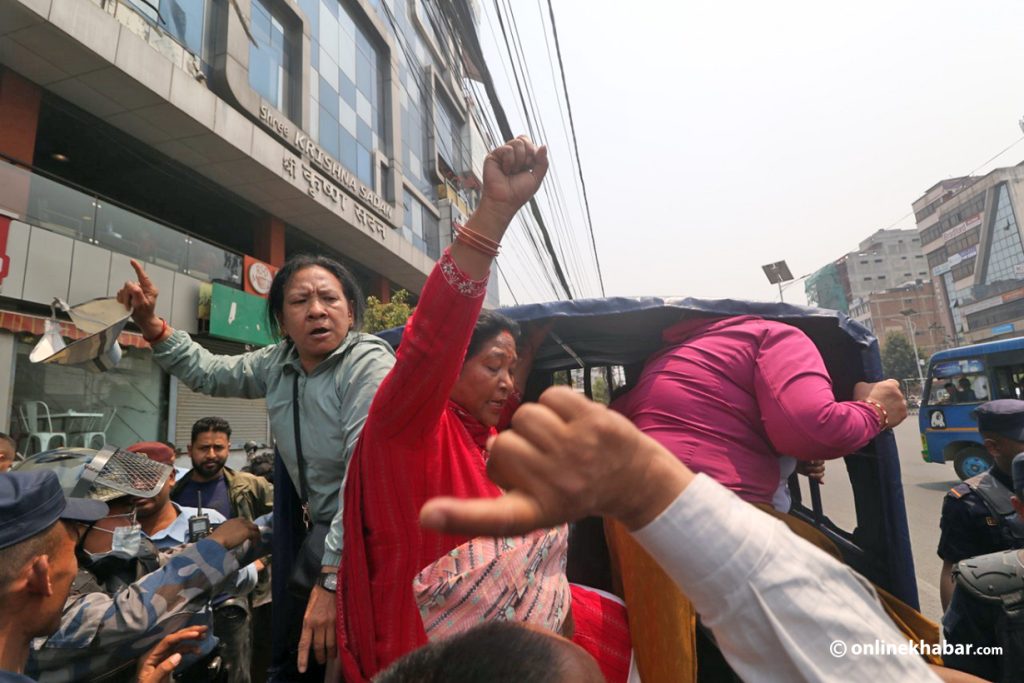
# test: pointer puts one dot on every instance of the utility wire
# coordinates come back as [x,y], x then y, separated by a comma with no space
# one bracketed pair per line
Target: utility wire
[575,144]
[552,189]
[967,175]
[463,18]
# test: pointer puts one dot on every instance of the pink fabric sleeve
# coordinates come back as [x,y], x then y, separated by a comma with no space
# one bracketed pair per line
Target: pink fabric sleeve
[798,409]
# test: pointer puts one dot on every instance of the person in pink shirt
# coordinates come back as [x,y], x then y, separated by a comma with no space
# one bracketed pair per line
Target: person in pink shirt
[728,396]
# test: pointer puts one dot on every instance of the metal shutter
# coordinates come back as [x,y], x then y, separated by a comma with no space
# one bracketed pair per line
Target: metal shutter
[248,417]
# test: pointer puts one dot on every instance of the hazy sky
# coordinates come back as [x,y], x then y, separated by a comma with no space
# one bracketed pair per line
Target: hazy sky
[719,136]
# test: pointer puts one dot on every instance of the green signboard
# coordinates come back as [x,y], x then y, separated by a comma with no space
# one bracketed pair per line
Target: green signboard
[238,316]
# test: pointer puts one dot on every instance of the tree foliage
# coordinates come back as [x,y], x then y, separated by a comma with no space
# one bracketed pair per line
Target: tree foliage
[898,359]
[383,316]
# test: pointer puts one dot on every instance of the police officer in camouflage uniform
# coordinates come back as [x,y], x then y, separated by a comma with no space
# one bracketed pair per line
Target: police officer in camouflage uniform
[977,515]
[987,608]
[38,530]
[126,597]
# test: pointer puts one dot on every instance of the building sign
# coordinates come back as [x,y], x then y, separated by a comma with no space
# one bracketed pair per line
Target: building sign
[960,229]
[316,185]
[1003,329]
[1012,296]
[275,124]
[981,305]
[258,276]
[339,173]
[325,162]
[955,260]
[238,316]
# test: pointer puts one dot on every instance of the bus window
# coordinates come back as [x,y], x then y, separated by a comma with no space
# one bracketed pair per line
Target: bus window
[1009,381]
[958,381]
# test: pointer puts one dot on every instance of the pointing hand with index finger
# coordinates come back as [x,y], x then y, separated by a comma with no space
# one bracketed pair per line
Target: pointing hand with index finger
[140,297]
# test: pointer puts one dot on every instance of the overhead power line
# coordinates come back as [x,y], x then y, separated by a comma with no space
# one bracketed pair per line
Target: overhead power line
[464,21]
[575,144]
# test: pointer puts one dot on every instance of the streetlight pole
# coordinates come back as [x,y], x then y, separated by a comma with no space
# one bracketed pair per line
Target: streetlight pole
[913,340]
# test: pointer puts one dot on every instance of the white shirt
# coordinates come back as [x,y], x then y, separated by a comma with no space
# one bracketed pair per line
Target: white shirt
[775,603]
[176,533]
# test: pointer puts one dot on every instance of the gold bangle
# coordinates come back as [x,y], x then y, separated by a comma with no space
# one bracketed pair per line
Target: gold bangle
[883,414]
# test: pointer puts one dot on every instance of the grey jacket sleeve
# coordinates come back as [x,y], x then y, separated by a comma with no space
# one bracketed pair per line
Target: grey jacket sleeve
[243,376]
[357,391]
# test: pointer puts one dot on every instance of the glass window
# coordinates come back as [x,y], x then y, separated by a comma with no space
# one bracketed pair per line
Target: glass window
[270,59]
[350,89]
[121,230]
[958,381]
[207,262]
[182,19]
[1005,253]
[122,406]
[1009,382]
[421,227]
[449,138]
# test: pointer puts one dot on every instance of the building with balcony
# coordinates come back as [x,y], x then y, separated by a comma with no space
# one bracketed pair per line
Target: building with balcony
[973,245]
[211,140]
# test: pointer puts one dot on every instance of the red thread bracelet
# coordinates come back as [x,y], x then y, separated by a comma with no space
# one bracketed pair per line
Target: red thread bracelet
[163,330]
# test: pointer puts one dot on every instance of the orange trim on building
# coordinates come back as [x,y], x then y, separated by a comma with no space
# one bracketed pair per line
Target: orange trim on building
[32,324]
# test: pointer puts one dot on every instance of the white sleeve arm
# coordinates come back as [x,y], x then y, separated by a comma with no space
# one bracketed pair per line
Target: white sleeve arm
[775,603]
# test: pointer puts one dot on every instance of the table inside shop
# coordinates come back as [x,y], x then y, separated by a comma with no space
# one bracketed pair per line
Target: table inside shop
[83,422]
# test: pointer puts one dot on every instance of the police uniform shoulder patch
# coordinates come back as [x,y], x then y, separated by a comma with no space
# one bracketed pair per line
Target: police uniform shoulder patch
[959,491]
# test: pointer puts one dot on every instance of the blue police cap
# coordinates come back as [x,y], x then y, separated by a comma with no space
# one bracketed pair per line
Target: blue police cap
[30,502]
[1004,417]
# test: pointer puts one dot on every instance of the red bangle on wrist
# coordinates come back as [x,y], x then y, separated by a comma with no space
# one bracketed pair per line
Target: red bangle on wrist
[163,330]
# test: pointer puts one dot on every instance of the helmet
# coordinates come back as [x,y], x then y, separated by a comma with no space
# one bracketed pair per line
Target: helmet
[105,474]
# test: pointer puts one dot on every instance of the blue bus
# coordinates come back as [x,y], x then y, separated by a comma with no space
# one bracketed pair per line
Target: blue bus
[958,381]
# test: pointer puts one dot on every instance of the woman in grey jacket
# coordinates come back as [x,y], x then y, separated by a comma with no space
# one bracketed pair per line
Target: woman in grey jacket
[323,368]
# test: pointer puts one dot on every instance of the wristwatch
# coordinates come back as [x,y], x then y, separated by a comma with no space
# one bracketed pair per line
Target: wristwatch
[328,581]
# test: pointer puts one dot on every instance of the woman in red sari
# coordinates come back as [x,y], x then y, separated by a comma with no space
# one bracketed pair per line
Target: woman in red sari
[426,436]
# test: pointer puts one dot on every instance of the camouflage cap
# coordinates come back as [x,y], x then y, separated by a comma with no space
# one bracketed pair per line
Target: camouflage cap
[105,474]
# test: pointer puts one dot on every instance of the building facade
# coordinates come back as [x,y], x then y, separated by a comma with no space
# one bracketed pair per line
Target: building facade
[911,311]
[972,241]
[886,259]
[210,140]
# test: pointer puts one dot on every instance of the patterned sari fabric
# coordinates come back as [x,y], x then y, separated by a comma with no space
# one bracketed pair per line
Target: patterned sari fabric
[520,578]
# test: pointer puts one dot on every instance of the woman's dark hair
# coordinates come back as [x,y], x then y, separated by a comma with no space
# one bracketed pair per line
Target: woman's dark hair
[489,325]
[497,652]
[349,286]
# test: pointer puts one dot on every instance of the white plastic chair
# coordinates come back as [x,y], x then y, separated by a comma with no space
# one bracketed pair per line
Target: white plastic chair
[35,417]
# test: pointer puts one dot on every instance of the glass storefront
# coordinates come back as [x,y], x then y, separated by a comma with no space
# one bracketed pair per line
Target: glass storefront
[121,406]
